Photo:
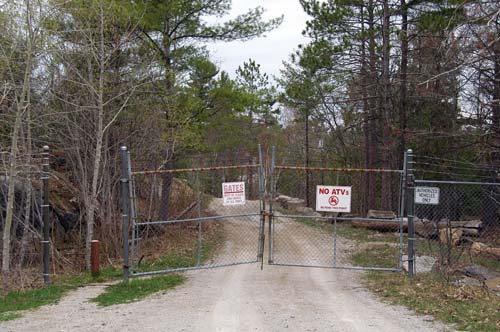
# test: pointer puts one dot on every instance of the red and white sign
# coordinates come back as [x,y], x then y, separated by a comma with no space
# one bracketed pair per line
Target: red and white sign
[233,193]
[333,199]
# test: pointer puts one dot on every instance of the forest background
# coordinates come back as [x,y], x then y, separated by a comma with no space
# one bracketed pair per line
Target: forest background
[86,76]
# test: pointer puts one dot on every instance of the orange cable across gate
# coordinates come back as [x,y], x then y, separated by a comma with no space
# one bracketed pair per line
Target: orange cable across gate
[181,170]
[361,170]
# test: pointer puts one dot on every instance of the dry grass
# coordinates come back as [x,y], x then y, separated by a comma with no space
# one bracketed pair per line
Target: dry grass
[468,308]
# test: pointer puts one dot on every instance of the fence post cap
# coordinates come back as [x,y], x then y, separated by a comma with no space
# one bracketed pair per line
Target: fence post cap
[410,151]
[123,148]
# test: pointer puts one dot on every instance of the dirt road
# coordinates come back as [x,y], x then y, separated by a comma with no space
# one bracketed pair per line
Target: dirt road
[239,298]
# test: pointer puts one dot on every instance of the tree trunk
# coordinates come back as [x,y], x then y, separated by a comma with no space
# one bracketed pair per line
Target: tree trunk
[372,104]
[491,210]
[29,194]
[169,151]
[387,154]
[366,115]
[403,84]
[22,103]
[91,208]
[165,191]
[308,174]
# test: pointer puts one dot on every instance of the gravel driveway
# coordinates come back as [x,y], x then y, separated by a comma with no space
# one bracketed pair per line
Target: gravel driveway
[239,298]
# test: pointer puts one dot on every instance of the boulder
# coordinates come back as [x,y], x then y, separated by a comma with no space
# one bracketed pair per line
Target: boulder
[423,264]
[480,273]
[282,198]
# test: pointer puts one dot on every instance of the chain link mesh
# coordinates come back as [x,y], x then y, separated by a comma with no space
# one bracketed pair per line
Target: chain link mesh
[462,228]
[179,219]
[370,236]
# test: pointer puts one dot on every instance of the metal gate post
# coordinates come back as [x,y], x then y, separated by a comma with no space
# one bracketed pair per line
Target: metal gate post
[198,209]
[271,212]
[410,187]
[133,216]
[402,211]
[262,191]
[45,216]
[125,191]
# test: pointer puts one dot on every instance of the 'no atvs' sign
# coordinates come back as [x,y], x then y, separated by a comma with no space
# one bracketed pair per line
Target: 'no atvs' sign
[333,199]
[233,193]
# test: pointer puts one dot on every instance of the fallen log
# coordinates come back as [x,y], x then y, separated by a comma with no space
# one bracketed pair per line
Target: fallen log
[472,224]
[380,214]
[384,224]
[470,231]
[381,226]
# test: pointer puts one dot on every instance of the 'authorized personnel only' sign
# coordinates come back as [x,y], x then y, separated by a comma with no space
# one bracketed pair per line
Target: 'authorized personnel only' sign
[427,195]
[333,199]
[233,193]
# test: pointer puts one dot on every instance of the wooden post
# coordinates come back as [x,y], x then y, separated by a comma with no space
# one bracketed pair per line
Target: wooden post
[94,258]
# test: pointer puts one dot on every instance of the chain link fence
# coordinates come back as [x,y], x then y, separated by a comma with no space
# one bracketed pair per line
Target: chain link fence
[457,215]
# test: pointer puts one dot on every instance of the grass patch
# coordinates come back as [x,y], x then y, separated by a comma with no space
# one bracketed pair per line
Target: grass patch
[12,304]
[30,299]
[9,316]
[379,255]
[106,274]
[126,292]
[16,301]
[469,308]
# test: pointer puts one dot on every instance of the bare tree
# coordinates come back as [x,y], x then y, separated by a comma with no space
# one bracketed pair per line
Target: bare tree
[26,31]
[89,97]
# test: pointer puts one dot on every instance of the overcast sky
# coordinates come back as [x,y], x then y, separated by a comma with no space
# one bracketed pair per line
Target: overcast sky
[268,51]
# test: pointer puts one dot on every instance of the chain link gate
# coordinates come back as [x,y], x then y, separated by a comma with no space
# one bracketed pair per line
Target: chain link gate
[205,233]
[300,236]
[197,229]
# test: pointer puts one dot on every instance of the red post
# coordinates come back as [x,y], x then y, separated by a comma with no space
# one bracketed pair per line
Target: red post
[94,258]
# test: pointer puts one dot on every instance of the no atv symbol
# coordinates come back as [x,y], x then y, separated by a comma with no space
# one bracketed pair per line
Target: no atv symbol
[333,200]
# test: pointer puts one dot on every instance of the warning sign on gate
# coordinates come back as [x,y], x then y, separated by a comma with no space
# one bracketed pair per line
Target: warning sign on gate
[233,193]
[333,199]
[427,195]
